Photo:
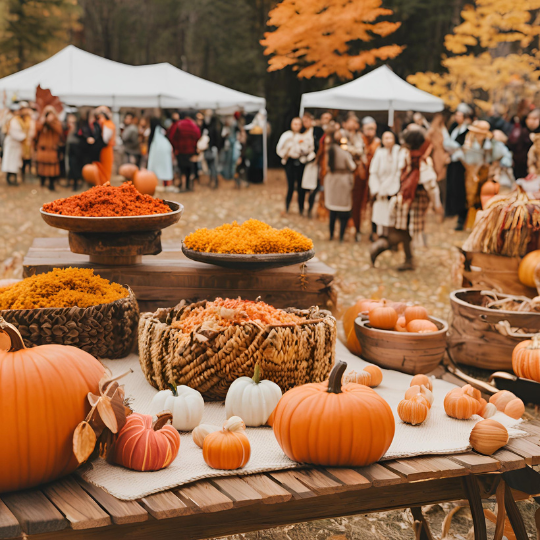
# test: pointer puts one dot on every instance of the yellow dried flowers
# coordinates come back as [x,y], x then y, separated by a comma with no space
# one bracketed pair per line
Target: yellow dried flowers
[60,288]
[252,237]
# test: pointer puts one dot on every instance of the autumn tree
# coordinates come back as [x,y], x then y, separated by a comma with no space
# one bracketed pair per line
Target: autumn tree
[493,56]
[319,38]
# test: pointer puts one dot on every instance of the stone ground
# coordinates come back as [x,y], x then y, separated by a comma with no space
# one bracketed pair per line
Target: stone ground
[429,285]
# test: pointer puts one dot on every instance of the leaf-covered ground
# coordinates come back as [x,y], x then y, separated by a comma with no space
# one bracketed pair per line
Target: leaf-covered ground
[429,285]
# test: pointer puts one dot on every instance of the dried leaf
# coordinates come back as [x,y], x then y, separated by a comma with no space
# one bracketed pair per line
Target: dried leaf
[84,441]
[107,414]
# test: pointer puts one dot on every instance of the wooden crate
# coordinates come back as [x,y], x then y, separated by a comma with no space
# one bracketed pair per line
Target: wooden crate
[165,279]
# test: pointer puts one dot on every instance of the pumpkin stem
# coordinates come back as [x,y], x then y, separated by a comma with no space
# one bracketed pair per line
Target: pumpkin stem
[535,342]
[257,374]
[174,389]
[17,343]
[334,381]
[162,418]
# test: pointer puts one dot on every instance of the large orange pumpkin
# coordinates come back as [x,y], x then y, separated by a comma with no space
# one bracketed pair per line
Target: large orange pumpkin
[144,445]
[90,173]
[127,170]
[526,359]
[330,425]
[527,266]
[348,319]
[42,400]
[145,182]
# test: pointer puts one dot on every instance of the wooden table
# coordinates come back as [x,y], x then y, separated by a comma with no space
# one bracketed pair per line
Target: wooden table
[165,279]
[71,508]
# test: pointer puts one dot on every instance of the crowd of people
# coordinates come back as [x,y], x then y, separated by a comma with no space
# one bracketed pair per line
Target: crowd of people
[360,170]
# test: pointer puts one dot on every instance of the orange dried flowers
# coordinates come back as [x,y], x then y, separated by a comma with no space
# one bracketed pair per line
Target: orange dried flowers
[251,237]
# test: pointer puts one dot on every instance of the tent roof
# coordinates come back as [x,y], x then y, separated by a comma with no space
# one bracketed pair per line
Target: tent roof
[379,90]
[81,78]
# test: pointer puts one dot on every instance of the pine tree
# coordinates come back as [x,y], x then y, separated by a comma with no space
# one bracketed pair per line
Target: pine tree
[319,38]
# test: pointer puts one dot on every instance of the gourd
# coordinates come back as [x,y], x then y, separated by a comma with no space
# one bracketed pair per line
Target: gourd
[333,425]
[350,315]
[145,182]
[423,391]
[370,376]
[526,269]
[90,173]
[229,448]
[42,400]
[401,325]
[383,316]
[413,410]
[421,326]
[526,359]
[488,190]
[251,399]
[185,404]
[487,436]
[201,432]
[422,380]
[127,170]
[458,404]
[413,313]
[508,403]
[144,445]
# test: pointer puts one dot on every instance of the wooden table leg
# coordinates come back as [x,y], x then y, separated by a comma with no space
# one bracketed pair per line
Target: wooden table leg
[513,514]
[425,532]
[501,511]
[470,486]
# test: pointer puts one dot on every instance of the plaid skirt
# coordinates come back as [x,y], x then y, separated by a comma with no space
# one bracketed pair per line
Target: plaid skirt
[410,215]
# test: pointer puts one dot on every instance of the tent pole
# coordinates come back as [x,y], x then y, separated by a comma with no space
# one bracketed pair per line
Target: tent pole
[301,107]
[265,145]
[391,115]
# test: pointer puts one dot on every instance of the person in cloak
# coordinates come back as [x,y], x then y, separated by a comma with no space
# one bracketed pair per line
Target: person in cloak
[108,135]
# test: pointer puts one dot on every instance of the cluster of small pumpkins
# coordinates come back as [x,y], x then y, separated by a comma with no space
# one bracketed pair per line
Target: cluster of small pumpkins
[415,406]
[385,315]
[145,181]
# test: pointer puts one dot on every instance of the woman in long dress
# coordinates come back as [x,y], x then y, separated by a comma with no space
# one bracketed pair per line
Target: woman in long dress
[160,153]
[13,147]
[48,139]
[108,135]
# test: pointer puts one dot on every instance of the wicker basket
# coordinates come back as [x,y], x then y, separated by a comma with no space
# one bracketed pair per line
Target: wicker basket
[475,336]
[104,331]
[289,355]
[403,351]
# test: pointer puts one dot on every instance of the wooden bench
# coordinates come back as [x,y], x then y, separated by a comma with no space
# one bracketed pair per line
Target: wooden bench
[71,508]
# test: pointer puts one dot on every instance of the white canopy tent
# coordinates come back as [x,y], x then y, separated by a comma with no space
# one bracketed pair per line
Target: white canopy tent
[379,90]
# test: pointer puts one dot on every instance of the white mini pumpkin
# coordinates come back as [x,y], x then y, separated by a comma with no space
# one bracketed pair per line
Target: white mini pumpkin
[251,399]
[185,403]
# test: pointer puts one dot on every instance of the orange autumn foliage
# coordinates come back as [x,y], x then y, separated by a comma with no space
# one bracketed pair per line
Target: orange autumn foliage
[314,36]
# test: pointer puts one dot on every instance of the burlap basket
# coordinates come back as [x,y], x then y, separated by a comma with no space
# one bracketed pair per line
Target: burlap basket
[289,355]
[104,331]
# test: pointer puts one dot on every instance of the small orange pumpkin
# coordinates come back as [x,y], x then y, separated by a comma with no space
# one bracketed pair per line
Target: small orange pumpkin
[333,425]
[383,316]
[145,182]
[422,380]
[229,448]
[370,376]
[458,404]
[526,359]
[515,409]
[488,436]
[362,305]
[143,445]
[413,410]
[527,267]
[488,190]
[501,399]
[401,325]
[376,375]
[412,313]
[90,173]
[127,170]
[421,326]
[423,391]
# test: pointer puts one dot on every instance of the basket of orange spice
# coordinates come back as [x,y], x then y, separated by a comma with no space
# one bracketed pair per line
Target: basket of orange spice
[209,344]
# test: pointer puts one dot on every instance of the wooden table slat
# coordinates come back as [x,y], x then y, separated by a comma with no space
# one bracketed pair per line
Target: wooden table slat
[165,505]
[532,430]
[350,478]
[526,449]
[9,525]
[272,492]
[35,513]
[292,484]
[79,508]
[318,482]
[476,463]
[206,496]
[121,512]
[426,467]
[508,460]
[240,492]
[379,476]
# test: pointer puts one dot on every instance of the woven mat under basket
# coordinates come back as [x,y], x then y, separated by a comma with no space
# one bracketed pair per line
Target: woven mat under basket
[438,435]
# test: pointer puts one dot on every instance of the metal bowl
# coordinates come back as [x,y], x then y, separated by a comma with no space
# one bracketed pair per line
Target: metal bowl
[249,261]
[120,224]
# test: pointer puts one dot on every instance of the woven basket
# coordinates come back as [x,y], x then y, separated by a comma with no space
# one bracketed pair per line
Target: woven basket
[104,331]
[289,355]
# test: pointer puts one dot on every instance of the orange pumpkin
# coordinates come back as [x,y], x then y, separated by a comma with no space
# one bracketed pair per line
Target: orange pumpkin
[526,359]
[361,306]
[330,425]
[413,313]
[423,391]
[127,170]
[370,376]
[376,375]
[413,410]
[422,380]
[501,399]
[458,404]
[383,316]
[144,445]
[90,173]
[42,400]
[229,448]
[145,182]
[515,409]
[401,325]
[488,190]
[527,266]
[421,326]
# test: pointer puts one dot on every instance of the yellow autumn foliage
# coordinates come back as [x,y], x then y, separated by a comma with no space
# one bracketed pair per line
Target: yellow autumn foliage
[314,36]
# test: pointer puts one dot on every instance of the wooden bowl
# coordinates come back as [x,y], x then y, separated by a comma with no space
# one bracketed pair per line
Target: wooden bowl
[251,261]
[403,351]
[120,224]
